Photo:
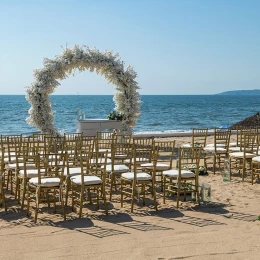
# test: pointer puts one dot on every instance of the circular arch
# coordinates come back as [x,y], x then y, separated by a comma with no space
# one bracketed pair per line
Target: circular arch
[126,98]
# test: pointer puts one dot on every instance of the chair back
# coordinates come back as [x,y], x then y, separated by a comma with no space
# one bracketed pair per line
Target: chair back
[119,153]
[143,142]
[199,136]
[124,138]
[249,143]
[140,156]
[221,137]
[52,164]
[14,144]
[2,165]
[165,151]
[189,159]
[98,164]
[105,135]
[103,144]
[2,172]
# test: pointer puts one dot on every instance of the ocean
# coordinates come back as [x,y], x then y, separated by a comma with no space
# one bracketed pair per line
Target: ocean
[159,113]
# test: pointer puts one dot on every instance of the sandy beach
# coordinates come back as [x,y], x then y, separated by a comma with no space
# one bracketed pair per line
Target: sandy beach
[227,228]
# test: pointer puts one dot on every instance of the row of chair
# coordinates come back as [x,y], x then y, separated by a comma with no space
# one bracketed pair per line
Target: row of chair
[48,168]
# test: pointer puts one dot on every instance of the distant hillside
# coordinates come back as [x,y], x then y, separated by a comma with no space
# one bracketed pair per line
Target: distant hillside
[252,92]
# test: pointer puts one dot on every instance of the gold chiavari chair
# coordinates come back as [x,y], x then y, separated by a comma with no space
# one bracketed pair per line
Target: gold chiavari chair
[137,182]
[26,168]
[89,182]
[74,166]
[219,150]
[2,172]
[14,144]
[47,187]
[198,138]
[179,180]
[120,151]
[256,162]
[164,162]
[242,160]
[240,134]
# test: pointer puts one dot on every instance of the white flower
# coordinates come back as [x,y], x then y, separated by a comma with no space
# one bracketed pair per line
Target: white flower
[126,97]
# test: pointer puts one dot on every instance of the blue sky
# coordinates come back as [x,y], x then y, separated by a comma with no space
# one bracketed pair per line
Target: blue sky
[175,46]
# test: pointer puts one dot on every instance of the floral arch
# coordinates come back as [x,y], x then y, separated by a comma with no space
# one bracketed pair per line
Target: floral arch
[126,97]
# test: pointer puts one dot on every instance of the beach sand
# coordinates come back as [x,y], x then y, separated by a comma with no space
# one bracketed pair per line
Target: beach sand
[225,229]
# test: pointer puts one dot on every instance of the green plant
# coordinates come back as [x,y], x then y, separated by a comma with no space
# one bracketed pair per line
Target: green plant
[116,116]
[258,217]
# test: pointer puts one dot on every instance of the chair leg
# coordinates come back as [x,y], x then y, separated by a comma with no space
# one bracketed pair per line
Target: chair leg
[38,192]
[23,194]
[81,203]
[244,170]
[164,189]
[214,164]
[72,197]
[143,190]
[104,198]
[2,195]
[121,186]
[184,191]
[62,204]
[17,184]
[67,191]
[133,196]
[154,200]
[28,201]
[197,191]
[111,185]
[54,202]
[178,193]
[98,197]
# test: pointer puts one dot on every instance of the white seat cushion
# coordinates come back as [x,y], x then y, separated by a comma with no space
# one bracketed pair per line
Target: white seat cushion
[256,159]
[46,182]
[212,149]
[117,168]
[120,156]
[175,173]
[88,180]
[241,155]
[234,149]
[12,166]
[31,173]
[212,145]
[104,150]
[72,171]
[138,160]
[186,145]
[238,149]
[232,144]
[159,166]
[140,176]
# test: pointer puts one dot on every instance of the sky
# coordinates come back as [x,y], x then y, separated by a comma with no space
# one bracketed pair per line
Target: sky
[177,47]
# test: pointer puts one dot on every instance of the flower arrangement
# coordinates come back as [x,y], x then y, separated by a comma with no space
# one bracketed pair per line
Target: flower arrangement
[116,116]
[126,98]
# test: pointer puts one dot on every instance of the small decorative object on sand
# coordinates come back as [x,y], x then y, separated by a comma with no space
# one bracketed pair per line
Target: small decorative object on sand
[205,193]
[226,173]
